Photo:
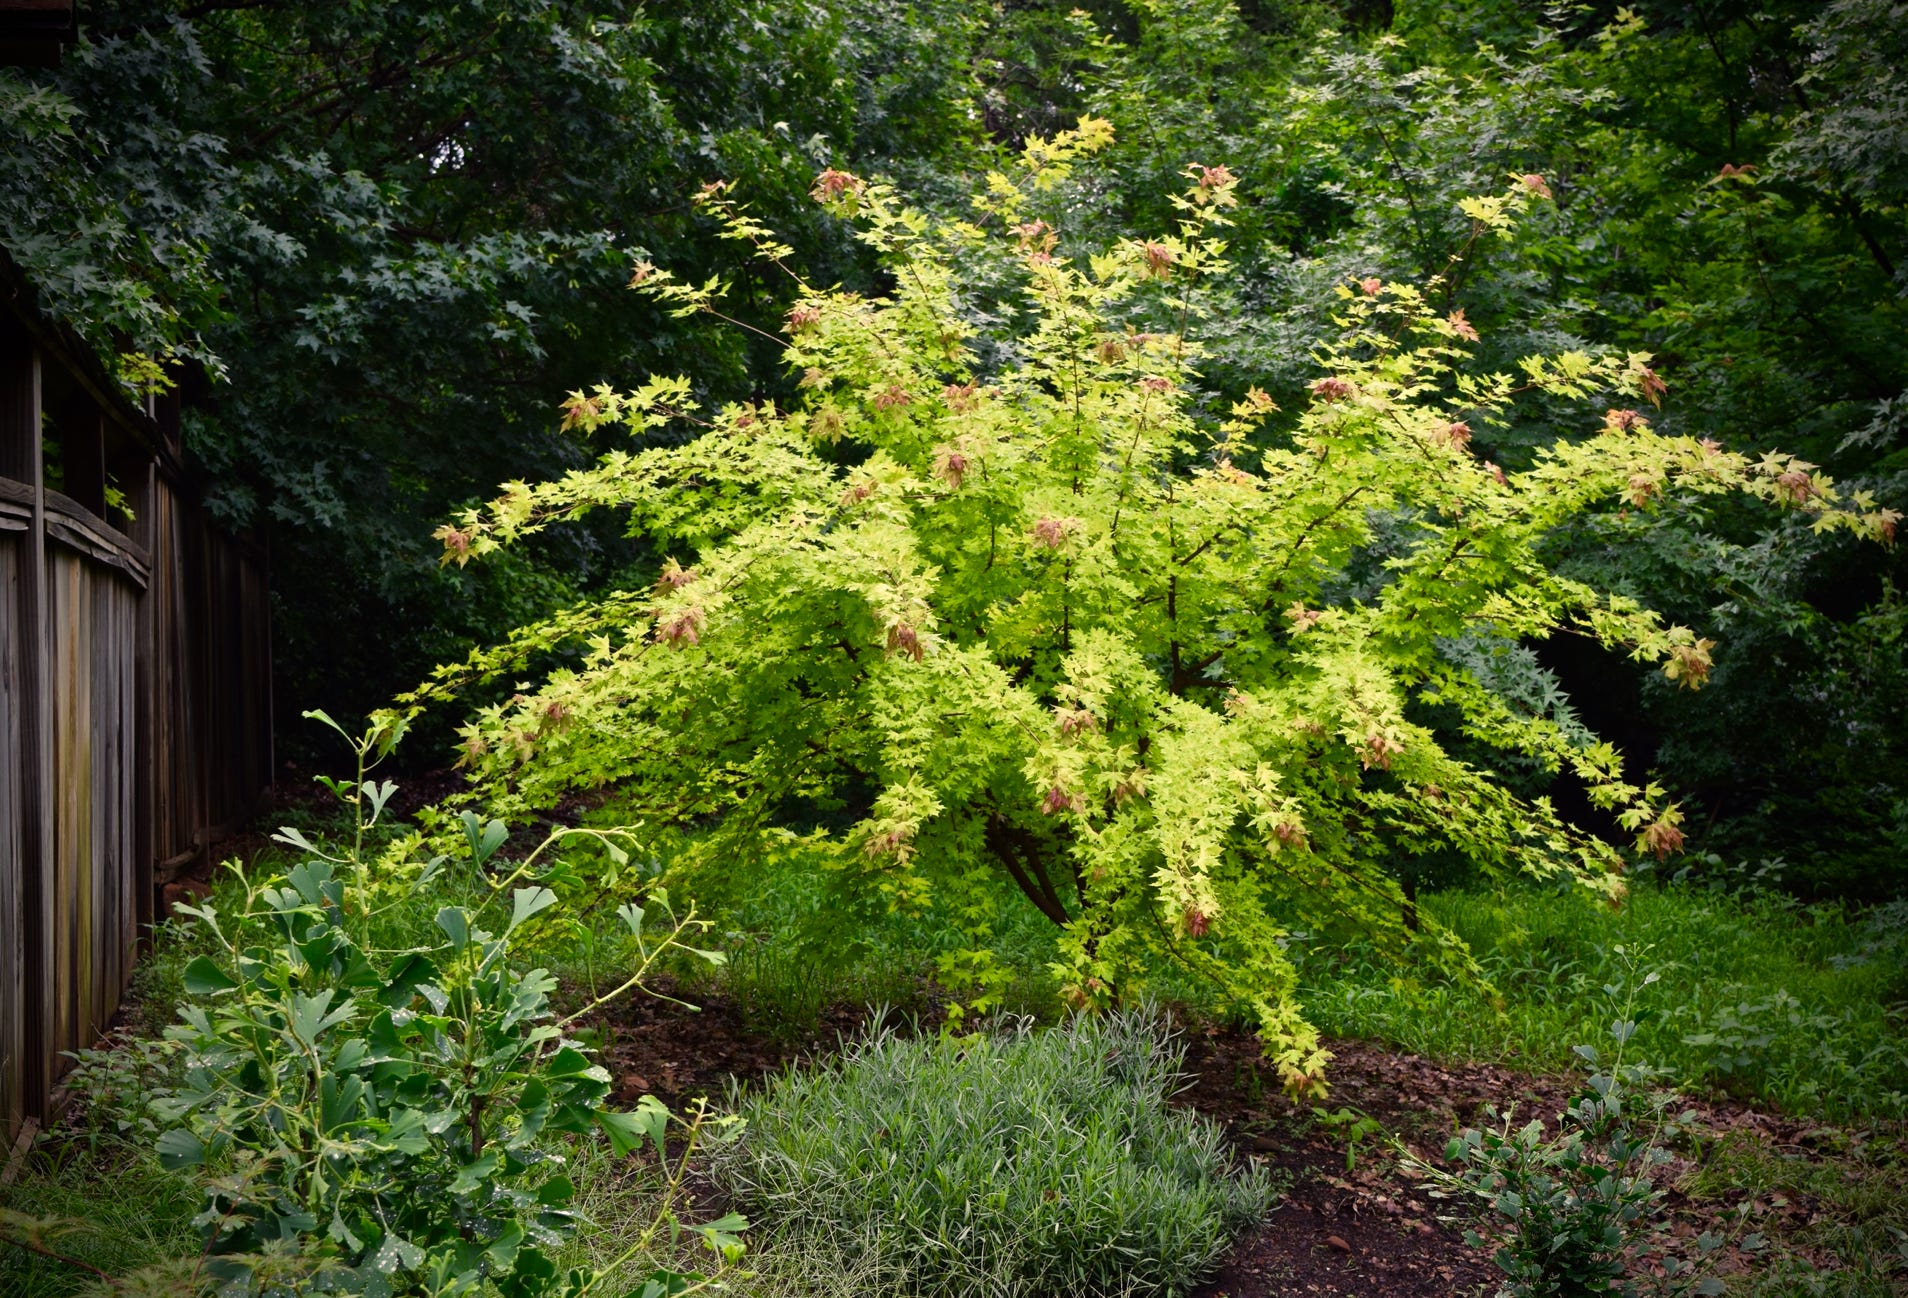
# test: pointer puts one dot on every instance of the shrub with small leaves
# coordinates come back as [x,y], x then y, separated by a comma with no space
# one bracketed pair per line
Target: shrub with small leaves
[1052,613]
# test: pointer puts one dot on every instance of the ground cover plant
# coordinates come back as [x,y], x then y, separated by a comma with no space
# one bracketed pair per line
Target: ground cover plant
[1006,1162]
[1582,1210]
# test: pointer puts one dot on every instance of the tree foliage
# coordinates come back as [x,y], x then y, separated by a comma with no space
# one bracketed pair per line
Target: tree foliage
[395,229]
[380,234]
[1727,199]
[1050,619]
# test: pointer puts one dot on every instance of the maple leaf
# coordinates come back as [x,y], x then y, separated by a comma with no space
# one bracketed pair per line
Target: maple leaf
[1662,838]
[1216,177]
[1378,751]
[903,638]
[457,543]
[1795,485]
[682,628]
[1689,664]
[832,185]
[674,576]
[1052,533]
[1073,721]
[950,466]
[1059,800]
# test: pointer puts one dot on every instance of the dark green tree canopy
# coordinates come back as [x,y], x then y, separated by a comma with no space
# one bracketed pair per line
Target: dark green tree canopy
[386,237]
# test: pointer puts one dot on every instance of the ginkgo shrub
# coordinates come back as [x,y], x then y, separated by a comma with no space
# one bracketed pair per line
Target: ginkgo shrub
[1055,618]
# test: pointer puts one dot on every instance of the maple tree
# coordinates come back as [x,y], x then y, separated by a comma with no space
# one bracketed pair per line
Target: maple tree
[1047,614]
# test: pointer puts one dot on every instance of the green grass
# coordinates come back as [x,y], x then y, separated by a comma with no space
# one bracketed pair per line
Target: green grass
[97,1171]
[125,1211]
[1855,1186]
[784,990]
[1797,1006]
[1800,1007]
[1016,1162]
[618,1199]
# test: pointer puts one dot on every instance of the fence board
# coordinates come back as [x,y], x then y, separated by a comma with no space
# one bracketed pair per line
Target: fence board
[12,814]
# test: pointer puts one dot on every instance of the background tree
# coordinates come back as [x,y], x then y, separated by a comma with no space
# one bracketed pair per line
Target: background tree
[393,230]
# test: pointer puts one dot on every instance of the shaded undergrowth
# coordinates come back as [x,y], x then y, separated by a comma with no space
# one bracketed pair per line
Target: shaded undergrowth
[1802,1007]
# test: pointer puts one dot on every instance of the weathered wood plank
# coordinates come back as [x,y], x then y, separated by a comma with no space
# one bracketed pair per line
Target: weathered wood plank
[93,616]
[12,846]
[29,993]
[135,709]
[18,448]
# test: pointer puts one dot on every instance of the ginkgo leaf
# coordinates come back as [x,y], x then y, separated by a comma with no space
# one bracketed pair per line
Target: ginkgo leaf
[526,902]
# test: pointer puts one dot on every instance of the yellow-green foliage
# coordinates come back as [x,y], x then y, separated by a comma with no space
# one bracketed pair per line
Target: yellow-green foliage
[1059,620]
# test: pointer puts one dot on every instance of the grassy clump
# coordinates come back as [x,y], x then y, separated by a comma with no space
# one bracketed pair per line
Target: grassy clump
[112,1206]
[1014,1162]
[1775,1001]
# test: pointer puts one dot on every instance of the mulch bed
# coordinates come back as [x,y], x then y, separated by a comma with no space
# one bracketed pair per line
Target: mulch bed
[654,1047]
[1333,1232]
[1367,1229]
[1353,1227]
[1357,1230]
[1345,1227]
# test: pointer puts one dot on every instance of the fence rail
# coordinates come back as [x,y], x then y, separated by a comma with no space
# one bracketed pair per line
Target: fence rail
[135,692]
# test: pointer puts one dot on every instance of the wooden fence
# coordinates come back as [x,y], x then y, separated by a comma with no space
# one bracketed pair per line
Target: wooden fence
[135,692]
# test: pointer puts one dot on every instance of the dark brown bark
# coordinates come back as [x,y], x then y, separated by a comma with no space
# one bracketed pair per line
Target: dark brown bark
[1019,852]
